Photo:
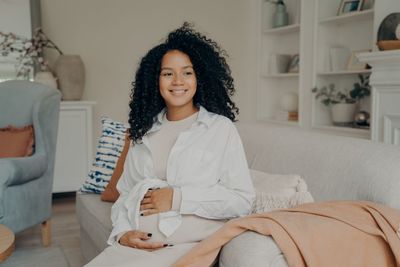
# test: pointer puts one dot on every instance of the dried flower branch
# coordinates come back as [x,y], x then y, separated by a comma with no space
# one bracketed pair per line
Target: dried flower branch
[28,52]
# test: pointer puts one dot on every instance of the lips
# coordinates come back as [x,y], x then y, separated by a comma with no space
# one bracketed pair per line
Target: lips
[178,92]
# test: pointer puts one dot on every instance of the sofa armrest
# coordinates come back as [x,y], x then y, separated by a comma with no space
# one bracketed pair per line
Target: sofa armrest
[252,249]
[14,171]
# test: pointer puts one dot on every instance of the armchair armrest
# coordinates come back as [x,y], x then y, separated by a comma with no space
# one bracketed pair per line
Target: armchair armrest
[14,171]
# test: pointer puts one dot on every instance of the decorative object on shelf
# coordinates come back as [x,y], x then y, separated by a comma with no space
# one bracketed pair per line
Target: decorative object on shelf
[389,32]
[289,102]
[28,52]
[71,76]
[46,78]
[279,63]
[343,113]
[294,64]
[343,104]
[339,58]
[354,63]
[347,6]
[281,16]
[361,118]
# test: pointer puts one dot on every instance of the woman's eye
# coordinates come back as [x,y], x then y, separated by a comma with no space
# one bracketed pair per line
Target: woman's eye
[166,74]
[188,73]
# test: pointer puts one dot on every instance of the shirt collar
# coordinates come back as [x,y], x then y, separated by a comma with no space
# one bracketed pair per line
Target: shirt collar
[203,117]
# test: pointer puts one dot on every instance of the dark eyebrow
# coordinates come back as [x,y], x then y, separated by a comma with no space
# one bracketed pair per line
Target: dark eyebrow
[185,67]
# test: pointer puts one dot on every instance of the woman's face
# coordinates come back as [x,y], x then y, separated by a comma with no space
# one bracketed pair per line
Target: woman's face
[177,81]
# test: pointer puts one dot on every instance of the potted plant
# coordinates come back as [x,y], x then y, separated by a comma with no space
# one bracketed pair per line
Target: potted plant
[27,52]
[343,104]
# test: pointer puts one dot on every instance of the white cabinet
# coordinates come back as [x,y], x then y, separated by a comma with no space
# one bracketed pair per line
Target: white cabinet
[314,29]
[74,145]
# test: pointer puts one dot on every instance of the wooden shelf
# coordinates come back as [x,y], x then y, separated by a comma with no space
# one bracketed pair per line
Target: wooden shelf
[283,30]
[344,72]
[281,75]
[349,17]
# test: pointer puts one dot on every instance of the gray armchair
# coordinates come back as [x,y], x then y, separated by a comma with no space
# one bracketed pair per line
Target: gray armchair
[26,183]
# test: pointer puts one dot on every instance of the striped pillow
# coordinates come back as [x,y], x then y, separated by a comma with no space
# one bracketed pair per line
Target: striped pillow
[109,149]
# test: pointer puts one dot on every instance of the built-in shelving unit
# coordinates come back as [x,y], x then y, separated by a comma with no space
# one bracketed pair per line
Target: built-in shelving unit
[315,29]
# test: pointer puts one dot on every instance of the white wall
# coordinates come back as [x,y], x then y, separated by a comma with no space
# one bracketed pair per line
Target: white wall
[112,36]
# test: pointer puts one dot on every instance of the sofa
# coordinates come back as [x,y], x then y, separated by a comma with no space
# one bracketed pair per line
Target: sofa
[334,168]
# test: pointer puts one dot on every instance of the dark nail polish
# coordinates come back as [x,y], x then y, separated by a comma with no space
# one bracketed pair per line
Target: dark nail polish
[149,234]
[165,245]
[141,214]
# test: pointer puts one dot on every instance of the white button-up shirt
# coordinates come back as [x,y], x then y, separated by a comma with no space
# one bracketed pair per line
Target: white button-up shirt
[207,163]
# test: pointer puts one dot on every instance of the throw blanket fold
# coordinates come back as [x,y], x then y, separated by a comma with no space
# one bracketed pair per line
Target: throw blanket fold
[337,233]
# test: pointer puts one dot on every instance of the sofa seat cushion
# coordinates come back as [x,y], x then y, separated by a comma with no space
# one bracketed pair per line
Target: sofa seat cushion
[94,217]
[259,251]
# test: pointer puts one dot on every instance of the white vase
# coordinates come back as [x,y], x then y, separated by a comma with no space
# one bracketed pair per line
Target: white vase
[71,76]
[46,78]
[343,113]
[289,102]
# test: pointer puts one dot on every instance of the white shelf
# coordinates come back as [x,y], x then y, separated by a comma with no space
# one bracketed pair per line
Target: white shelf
[272,120]
[283,30]
[349,17]
[281,75]
[344,72]
[345,130]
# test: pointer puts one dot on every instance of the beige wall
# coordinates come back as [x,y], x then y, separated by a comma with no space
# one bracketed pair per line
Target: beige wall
[112,36]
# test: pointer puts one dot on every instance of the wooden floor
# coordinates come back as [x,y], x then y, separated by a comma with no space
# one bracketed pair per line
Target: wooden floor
[65,232]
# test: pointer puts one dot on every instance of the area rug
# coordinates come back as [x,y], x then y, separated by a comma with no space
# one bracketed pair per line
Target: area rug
[36,257]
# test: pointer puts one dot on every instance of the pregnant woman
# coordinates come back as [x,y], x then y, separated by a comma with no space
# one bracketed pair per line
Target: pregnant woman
[186,172]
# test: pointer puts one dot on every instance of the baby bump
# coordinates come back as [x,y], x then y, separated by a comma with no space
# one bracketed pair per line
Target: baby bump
[192,229]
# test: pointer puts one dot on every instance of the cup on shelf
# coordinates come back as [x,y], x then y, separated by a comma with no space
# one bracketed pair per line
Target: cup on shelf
[279,63]
[338,58]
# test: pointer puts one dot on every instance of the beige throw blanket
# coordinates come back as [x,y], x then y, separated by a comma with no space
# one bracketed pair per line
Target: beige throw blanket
[339,233]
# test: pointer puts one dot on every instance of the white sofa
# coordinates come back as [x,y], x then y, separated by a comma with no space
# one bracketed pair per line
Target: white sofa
[334,167]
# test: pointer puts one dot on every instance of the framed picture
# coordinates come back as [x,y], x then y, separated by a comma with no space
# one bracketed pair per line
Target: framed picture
[353,63]
[294,64]
[347,6]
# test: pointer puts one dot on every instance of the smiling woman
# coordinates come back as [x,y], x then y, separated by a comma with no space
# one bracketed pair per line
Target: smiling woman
[185,173]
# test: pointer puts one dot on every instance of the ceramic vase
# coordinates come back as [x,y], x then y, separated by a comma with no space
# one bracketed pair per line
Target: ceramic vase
[70,72]
[281,16]
[46,78]
[343,113]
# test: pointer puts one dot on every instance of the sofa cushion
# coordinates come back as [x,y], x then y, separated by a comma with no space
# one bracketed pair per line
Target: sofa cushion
[94,217]
[275,191]
[109,148]
[111,193]
[16,141]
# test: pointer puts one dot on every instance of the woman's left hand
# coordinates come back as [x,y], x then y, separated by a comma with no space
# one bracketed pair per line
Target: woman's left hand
[156,201]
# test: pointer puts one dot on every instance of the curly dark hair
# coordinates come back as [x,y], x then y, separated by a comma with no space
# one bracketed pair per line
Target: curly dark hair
[214,80]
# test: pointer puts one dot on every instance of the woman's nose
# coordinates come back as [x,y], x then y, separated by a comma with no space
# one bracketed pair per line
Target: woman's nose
[178,79]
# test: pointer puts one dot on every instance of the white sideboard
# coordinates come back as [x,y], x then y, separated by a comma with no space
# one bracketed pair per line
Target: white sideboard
[74,145]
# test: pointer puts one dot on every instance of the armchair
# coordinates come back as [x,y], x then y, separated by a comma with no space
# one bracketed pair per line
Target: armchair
[26,183]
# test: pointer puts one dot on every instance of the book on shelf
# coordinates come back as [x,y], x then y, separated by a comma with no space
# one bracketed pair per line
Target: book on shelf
[282,115]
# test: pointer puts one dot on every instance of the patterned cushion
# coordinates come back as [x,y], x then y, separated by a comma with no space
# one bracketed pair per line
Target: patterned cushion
[109,149]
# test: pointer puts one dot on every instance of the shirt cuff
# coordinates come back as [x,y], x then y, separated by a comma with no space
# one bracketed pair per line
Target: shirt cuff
[176,199]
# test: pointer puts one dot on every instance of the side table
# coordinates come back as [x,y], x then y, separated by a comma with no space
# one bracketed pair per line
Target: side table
[7,242]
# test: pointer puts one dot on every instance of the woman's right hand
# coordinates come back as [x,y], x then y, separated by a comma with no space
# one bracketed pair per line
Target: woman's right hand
[137,239]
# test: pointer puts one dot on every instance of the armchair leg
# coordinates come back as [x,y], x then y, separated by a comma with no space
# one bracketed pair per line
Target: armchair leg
[46,233]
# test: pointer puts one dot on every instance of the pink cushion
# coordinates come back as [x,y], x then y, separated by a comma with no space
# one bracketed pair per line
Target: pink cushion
[16,141]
